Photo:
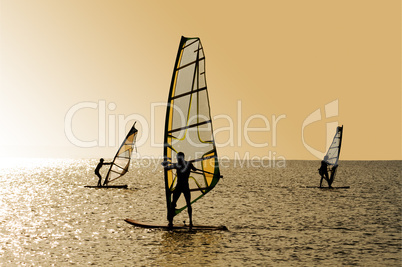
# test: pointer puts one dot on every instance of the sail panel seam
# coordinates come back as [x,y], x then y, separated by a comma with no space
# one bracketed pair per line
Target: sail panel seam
[188,64]
[190,126]
[189,93]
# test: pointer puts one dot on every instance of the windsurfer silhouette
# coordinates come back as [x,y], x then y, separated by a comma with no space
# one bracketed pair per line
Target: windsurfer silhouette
[98,167]
[183,168]
[323,171]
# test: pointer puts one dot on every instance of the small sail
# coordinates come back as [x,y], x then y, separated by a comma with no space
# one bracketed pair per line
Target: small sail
[333,153]
[335,149]
[188,124]
[121,161]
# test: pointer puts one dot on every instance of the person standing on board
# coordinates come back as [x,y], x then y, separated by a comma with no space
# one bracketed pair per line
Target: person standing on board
[98,167]
[183,173]
[323,171]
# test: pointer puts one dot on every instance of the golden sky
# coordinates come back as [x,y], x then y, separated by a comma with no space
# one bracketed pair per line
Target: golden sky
[264,58]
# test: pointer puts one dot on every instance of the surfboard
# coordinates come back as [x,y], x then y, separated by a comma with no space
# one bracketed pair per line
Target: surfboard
[324,187]
[106,186]
[176,226]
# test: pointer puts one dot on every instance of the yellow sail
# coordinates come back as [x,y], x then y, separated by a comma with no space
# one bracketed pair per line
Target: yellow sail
[188,125]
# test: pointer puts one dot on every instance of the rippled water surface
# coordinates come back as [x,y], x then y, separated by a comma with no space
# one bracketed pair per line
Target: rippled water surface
[47,217]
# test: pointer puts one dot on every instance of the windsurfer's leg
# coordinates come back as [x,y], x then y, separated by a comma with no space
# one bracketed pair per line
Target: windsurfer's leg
[100,179]
[171,212]
[328,180]
[187,195]
[322,177]
[190,215]
[331,178]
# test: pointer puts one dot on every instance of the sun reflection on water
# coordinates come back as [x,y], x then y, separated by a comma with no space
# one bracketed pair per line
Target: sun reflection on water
[34,193]
[47,217]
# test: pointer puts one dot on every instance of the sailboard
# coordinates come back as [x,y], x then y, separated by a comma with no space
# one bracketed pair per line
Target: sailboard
[107,186]
[176,226]
[188,124]
[333,153]
[121,161]
[188,129]
[332,187]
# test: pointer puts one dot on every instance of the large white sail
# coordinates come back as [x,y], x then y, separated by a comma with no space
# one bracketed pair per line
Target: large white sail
[188,125]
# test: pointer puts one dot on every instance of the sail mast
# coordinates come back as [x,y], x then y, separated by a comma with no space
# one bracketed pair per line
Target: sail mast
[340,141]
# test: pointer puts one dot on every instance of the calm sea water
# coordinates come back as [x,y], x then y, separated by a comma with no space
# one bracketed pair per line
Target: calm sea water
[47,217]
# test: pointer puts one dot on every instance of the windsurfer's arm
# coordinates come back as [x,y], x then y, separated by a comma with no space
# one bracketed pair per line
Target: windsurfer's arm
[168,165]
